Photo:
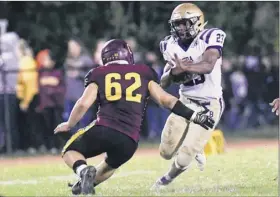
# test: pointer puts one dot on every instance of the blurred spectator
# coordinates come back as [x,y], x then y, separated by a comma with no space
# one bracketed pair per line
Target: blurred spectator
[271,87]
[52,92]
[152,60]
[40,57]
[8,79]
[97,52]
[98,62]
[255,74]
[226,83]
[155,114]
[239,87]
[136,53]
[27,86]
[271,79]
[27,90]
[78,62]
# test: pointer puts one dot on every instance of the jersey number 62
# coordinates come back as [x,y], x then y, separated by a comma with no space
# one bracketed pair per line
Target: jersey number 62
[116,86]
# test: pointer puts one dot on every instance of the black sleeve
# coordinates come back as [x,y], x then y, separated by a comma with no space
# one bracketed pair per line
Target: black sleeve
[182,110]
[90,77]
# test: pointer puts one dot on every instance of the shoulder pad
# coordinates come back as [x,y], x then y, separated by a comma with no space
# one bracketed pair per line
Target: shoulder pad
[205,34]
[89,73]
[163,44]
[89,77]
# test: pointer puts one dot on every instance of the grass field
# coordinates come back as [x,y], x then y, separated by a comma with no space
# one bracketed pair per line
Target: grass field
[242,171]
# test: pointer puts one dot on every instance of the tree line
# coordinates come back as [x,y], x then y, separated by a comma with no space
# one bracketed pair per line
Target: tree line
[251,27]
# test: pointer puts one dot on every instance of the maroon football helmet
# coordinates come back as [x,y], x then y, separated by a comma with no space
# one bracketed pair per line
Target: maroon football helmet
[116,49]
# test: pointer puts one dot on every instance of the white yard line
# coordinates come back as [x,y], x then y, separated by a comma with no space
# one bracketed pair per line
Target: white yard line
[19,182]
[67,178]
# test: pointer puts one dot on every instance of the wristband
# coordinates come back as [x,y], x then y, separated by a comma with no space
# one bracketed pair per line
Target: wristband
[181,110]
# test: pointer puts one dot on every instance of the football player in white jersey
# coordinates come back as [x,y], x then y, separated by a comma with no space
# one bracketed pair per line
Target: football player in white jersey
[194,57]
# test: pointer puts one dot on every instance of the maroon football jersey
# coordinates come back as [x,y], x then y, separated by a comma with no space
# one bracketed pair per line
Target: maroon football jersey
[122,96]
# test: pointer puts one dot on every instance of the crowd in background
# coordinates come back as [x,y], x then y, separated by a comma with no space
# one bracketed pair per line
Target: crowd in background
[45,91]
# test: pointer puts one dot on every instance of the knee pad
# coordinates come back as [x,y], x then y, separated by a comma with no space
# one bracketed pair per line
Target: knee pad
[164,153]
[172,136]
[187,150]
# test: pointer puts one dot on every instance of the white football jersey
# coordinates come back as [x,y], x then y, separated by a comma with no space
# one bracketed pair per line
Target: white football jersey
[201,86]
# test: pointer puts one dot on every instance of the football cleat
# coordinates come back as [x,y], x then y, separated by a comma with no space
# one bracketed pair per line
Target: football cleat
[87,180]
[160,183]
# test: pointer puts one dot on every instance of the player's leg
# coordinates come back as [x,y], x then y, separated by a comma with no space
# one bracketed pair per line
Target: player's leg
[70,158]
[172,135]
[76,147]
[122,150]
[192,145]
[77,162]
[87,142]
[194,142]
[104,171]
[183,157]
[218,107]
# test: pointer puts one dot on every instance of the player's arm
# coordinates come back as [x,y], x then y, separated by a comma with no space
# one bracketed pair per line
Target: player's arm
[203,67]
[80,108]
[214,42]
[83,104]
[173,104]
[207,64]
[166,77]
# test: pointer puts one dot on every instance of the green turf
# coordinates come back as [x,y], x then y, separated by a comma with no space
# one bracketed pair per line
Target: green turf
[249,172]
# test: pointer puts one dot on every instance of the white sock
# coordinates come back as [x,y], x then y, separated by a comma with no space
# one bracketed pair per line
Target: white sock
[80,168]
[179,167]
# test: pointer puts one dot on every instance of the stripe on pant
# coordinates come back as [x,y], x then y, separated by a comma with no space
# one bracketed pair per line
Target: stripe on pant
[76,136]
[221,101]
